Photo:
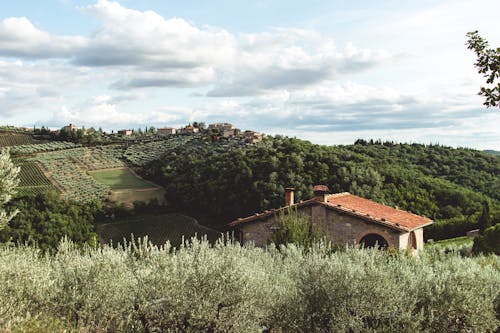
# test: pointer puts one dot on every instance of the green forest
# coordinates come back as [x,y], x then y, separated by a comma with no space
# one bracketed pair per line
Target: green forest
[449,185]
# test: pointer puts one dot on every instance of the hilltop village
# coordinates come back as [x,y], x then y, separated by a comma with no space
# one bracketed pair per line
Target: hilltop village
[212,132]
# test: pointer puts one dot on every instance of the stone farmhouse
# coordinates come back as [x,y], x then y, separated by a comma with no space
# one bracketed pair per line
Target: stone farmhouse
[227,130]
[252,137]
[165,131]
[126,132]
[189,129]
[344,218]
[70,128]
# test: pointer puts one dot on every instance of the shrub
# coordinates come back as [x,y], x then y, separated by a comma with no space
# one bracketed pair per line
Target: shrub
[230,288]
[291,227]
[488,241]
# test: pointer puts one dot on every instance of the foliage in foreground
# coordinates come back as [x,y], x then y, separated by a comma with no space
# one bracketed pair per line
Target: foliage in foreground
[8,184]
[229,288]
[291,227]
[488,241]
[488,64]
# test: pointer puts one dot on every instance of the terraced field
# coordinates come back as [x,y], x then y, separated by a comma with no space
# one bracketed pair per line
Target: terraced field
[43,147]
[73,179]
[144,153]
[8,139]
[33,180]
[94,173]
[102,157]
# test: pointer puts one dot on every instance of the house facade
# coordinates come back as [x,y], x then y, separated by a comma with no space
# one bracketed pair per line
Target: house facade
[344,218]
[166,131]
[126,132]
[70,128]
[252,137]
[190,129]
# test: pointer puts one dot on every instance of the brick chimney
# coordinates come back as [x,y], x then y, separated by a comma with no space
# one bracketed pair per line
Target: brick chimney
[289,196]
[320,192]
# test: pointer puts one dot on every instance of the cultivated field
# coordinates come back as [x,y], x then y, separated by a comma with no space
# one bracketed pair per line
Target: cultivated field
[93,173]
[8,139]
[129,196]
[158,228]
[32,179]
[73,179]
[102,157]
[43,147]
[120,179]
[144,153]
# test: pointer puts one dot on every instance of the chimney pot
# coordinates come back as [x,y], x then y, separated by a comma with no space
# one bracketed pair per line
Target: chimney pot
[320,192]
[289,196]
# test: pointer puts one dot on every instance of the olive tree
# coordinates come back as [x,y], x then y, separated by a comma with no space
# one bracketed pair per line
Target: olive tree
[488,64]
[8,184]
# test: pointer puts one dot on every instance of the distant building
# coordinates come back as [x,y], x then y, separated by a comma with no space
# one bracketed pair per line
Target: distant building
[126,132]
[190,129]
[70,128]
[252,137]
[227,130]
[166,131]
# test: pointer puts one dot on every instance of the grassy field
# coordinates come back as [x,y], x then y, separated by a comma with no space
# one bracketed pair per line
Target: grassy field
[158,228]
[119,179]
[458,241]
[128,196]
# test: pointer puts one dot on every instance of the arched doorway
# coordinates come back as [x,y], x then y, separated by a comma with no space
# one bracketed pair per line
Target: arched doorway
[374,240]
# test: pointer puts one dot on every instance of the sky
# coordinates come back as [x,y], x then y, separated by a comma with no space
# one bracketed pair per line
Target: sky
[326,71]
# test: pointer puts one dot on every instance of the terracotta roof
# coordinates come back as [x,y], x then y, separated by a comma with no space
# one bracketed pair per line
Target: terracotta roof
[377,212]
[356,206]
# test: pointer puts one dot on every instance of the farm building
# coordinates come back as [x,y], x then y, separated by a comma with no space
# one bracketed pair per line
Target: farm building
[70,128]
[126,132]
[166,131]
[227,130]
[190,129]
[252,137]
[344,218]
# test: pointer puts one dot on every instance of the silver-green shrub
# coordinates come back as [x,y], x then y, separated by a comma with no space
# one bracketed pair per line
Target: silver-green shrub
[231,288]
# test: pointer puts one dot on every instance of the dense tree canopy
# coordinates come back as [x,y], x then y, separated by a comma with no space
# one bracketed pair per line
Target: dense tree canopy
[446,184]
[44,219]
[488,64]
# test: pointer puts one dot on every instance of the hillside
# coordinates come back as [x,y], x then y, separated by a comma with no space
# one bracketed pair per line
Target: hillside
[217,181]
[447,184]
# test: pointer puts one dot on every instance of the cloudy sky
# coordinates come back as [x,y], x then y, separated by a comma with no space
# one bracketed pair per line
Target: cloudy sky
[326,71]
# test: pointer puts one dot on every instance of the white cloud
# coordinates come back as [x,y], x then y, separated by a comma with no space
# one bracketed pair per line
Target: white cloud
[20,38]
[104,111]
[284,80]
[151,51]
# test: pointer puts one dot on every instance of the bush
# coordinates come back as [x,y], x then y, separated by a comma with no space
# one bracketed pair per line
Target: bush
[488,241]
[230,288]
[292,228]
